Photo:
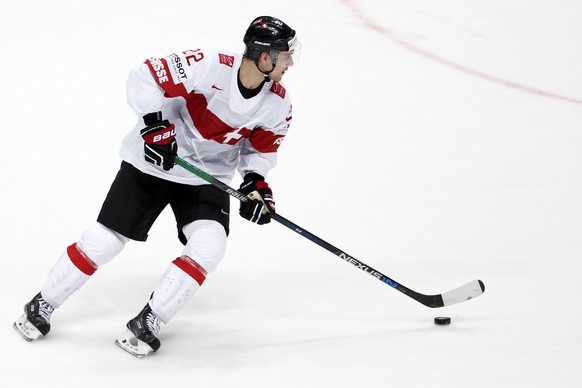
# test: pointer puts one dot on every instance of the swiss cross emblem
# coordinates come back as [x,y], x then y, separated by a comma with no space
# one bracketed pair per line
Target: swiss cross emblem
[227,60]
[235,135]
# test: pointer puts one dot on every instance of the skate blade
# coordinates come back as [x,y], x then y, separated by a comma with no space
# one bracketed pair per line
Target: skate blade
[26,329]
[132,345]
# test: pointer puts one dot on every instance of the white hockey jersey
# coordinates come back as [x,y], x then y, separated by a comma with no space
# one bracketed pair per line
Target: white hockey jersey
[217,129]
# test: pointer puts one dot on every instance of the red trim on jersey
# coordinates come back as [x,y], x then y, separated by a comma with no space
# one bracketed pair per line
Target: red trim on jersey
[80,260]
[278,89]
[192,268]
[265,141]
[159,69]
[211,126]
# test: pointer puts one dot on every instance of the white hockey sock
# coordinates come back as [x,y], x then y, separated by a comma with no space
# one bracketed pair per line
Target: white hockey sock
[175,288]
[70,272]
[204,250]
[97,246]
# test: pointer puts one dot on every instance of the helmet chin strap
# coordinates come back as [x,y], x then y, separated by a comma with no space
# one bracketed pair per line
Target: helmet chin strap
[266,73]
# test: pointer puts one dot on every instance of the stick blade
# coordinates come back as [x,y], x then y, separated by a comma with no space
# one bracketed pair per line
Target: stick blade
[464,293]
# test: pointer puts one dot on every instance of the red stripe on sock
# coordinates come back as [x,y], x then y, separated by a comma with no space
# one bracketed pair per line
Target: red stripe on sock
[82,262]
[192,268]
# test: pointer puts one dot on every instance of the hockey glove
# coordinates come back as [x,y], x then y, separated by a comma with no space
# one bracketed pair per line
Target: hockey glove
[160,147]
[261,202]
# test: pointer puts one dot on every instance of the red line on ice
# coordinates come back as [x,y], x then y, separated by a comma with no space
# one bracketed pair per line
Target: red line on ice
[368,22]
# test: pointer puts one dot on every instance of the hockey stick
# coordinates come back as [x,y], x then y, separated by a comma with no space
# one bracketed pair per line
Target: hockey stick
[460,294]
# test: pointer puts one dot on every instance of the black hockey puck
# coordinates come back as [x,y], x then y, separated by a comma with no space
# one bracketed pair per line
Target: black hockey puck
[442,320]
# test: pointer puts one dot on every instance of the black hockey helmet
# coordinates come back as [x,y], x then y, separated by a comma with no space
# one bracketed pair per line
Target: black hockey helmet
[269,34]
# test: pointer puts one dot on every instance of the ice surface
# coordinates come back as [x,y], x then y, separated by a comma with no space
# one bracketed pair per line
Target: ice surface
[421,145]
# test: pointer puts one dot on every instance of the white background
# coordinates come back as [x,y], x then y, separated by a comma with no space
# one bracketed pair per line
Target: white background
[438,142]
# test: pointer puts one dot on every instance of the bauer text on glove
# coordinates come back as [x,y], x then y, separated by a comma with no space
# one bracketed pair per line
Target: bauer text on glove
[160,147]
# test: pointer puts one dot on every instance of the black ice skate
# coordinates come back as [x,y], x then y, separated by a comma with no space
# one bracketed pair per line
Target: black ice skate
[36,320]
[141,338]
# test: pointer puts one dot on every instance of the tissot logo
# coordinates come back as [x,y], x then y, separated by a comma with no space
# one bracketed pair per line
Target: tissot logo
[178,67]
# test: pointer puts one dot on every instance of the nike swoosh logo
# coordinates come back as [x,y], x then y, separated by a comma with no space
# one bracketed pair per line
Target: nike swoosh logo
[216,87]
[223,212]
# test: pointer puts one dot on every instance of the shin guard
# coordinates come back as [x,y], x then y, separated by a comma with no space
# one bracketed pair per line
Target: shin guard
[175,288]
[70,272]
[201,255]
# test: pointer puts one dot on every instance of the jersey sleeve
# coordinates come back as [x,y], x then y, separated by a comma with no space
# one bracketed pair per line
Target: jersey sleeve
[259,153]
[157,79]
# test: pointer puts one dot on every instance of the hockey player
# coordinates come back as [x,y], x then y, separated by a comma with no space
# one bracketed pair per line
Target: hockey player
[220,111]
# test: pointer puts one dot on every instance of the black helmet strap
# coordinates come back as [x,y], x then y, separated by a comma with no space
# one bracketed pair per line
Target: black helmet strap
[266,73]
